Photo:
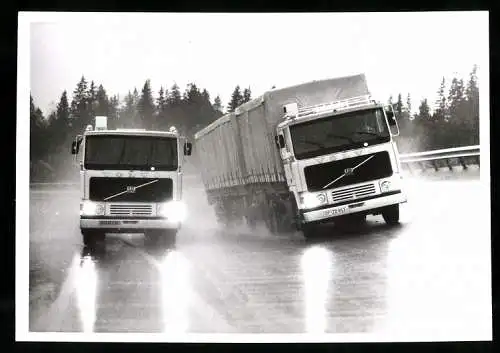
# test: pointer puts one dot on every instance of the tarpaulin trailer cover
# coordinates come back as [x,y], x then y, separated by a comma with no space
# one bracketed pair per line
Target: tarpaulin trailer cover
[239,148]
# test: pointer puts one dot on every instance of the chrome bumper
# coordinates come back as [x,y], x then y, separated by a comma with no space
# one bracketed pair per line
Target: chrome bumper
[124,224]
[354,207]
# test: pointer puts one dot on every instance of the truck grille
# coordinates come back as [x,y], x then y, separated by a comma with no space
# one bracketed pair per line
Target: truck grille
[130,210]
[114,189]
[319,175]
[353,193]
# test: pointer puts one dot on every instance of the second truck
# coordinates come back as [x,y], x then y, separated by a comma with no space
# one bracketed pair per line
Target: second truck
[304,155]
[130,181]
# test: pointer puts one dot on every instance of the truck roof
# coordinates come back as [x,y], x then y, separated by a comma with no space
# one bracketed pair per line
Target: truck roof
[332,108]
[304,94]
[132,132]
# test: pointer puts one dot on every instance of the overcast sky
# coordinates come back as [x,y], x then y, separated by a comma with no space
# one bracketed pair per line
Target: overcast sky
[399,52]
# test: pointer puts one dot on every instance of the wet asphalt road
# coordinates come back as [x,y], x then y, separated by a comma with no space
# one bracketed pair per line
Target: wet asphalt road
[430,275]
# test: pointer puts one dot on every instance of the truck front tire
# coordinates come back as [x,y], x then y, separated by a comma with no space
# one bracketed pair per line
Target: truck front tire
[163,236]
[92,236]
[310,232]
[391,214]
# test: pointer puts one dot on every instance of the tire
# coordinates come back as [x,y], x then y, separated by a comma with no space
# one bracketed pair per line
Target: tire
[310,232]
[251,222]
[220,214]
[277,221]
[252,216]
[92,236]
[166,237]
[391,214]
[272,222]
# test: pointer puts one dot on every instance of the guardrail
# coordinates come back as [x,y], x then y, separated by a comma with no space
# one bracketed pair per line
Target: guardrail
[449,157]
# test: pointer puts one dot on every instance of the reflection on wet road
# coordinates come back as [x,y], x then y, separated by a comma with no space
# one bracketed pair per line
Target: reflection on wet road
[316,270]
[429,274]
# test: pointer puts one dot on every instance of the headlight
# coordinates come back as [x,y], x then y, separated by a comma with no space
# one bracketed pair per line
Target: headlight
[91,208]
[313,200]
[172,210]
[385,186]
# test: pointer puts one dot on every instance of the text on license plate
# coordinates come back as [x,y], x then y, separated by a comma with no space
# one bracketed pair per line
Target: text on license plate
[335,211]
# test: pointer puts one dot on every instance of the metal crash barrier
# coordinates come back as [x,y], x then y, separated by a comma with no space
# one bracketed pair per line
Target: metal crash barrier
[449,157]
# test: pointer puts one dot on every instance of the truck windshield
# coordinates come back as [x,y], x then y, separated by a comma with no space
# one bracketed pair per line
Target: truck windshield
[339,133]
[130,152]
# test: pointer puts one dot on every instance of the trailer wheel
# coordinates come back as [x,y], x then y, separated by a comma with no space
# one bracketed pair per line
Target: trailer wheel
[274,217]
[271,222]
[220,213]
[391,214]
[251,219]
[92,236]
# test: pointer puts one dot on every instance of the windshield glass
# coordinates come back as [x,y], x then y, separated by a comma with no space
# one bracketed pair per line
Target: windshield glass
[339,132]
[131,152]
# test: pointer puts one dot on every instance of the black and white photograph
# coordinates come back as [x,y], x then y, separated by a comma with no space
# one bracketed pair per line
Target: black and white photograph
[253,177]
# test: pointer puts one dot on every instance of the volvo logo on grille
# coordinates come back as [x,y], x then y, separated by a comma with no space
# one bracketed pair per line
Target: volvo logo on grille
[348,171]
[131,189]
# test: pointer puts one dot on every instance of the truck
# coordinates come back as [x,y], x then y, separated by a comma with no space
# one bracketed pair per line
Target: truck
[301,156]
[130,181]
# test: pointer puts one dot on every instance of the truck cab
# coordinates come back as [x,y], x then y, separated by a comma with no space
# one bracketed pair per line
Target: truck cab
[340,160]
[130,181]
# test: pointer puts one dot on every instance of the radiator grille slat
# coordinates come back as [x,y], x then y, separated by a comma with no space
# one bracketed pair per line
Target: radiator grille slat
[353,193]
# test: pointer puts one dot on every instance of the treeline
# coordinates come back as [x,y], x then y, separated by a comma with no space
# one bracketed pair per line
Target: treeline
[453,121]
[188,111]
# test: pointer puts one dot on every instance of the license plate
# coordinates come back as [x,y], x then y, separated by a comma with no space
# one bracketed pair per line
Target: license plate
[335,211]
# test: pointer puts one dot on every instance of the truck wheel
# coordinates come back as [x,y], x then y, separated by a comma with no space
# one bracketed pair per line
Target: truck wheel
[162,236]
[91,237]
[310,232]
[272,222]
[391,214]
[251,222]
[252,216]
[276,218]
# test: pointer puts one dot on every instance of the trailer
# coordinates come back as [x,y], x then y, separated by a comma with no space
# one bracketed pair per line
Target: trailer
[303,155]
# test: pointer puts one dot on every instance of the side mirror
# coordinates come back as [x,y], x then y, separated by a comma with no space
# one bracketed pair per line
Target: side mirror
[188,146]
[391,119]
[280,141]
[75,145]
